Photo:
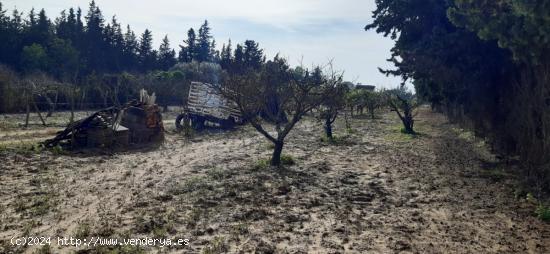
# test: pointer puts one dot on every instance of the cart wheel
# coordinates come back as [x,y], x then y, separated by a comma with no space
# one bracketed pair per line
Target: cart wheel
[197,123]
[182,120]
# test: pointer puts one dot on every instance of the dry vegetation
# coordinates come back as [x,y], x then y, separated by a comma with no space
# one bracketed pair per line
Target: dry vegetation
[372,189]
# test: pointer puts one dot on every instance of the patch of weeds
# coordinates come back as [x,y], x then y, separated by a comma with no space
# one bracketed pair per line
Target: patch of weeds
[543,212]
[218,174]
[397,134]
[83,230]
[41,205]
[19,205]
[58,150]
[159,232]
[22,147]
[464,134]
[216,246]
[155,224]
[261,164]
[7,247]
[335,140]
[240,229]
[287,160]
[37,148]
[37,205]
[270,146]
[104,227]
[531,199]
[351,131]
[27,228]
[194,216]
[195,183]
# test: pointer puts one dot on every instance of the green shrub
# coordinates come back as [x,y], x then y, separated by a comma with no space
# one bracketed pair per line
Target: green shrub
[543,212]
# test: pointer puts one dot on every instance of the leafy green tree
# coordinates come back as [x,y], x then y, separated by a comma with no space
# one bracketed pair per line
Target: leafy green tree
[522,26]
[299,94]
[34,58]
[332,105]
[203,72]
[64,59]
[403,103]
[170,87]
[485,63]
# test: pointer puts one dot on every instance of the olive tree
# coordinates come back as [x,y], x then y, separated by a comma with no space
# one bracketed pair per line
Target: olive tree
[404,103]
[334,102]
[296,90]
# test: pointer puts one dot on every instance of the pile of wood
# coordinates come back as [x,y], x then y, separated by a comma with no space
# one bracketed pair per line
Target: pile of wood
[132,123]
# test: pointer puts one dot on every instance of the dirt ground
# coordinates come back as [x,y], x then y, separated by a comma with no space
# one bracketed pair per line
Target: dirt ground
[374,191]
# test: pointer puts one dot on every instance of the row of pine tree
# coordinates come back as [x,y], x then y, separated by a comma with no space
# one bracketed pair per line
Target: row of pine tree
[73,46]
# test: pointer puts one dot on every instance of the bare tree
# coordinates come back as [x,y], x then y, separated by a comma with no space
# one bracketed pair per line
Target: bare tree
[291,92]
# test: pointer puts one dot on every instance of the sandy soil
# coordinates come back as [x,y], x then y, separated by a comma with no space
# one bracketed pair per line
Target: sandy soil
[375,191]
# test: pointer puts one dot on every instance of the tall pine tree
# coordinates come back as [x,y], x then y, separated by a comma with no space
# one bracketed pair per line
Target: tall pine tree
[166,55]
[130,49]
[147,57]
[204,43]
[188,51]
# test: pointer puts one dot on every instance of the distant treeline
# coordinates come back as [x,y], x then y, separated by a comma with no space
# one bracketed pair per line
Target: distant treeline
[101,63]
[486,64]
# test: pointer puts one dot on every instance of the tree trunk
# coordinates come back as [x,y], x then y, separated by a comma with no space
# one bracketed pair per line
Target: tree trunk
[371,111]
[276,157]
[408,123]
[28,111]
[72,101]
[328,128]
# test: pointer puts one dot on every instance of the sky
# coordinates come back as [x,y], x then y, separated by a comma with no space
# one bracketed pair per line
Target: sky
[307,32]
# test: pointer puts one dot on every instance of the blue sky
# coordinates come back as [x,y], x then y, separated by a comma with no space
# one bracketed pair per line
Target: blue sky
[304,31]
